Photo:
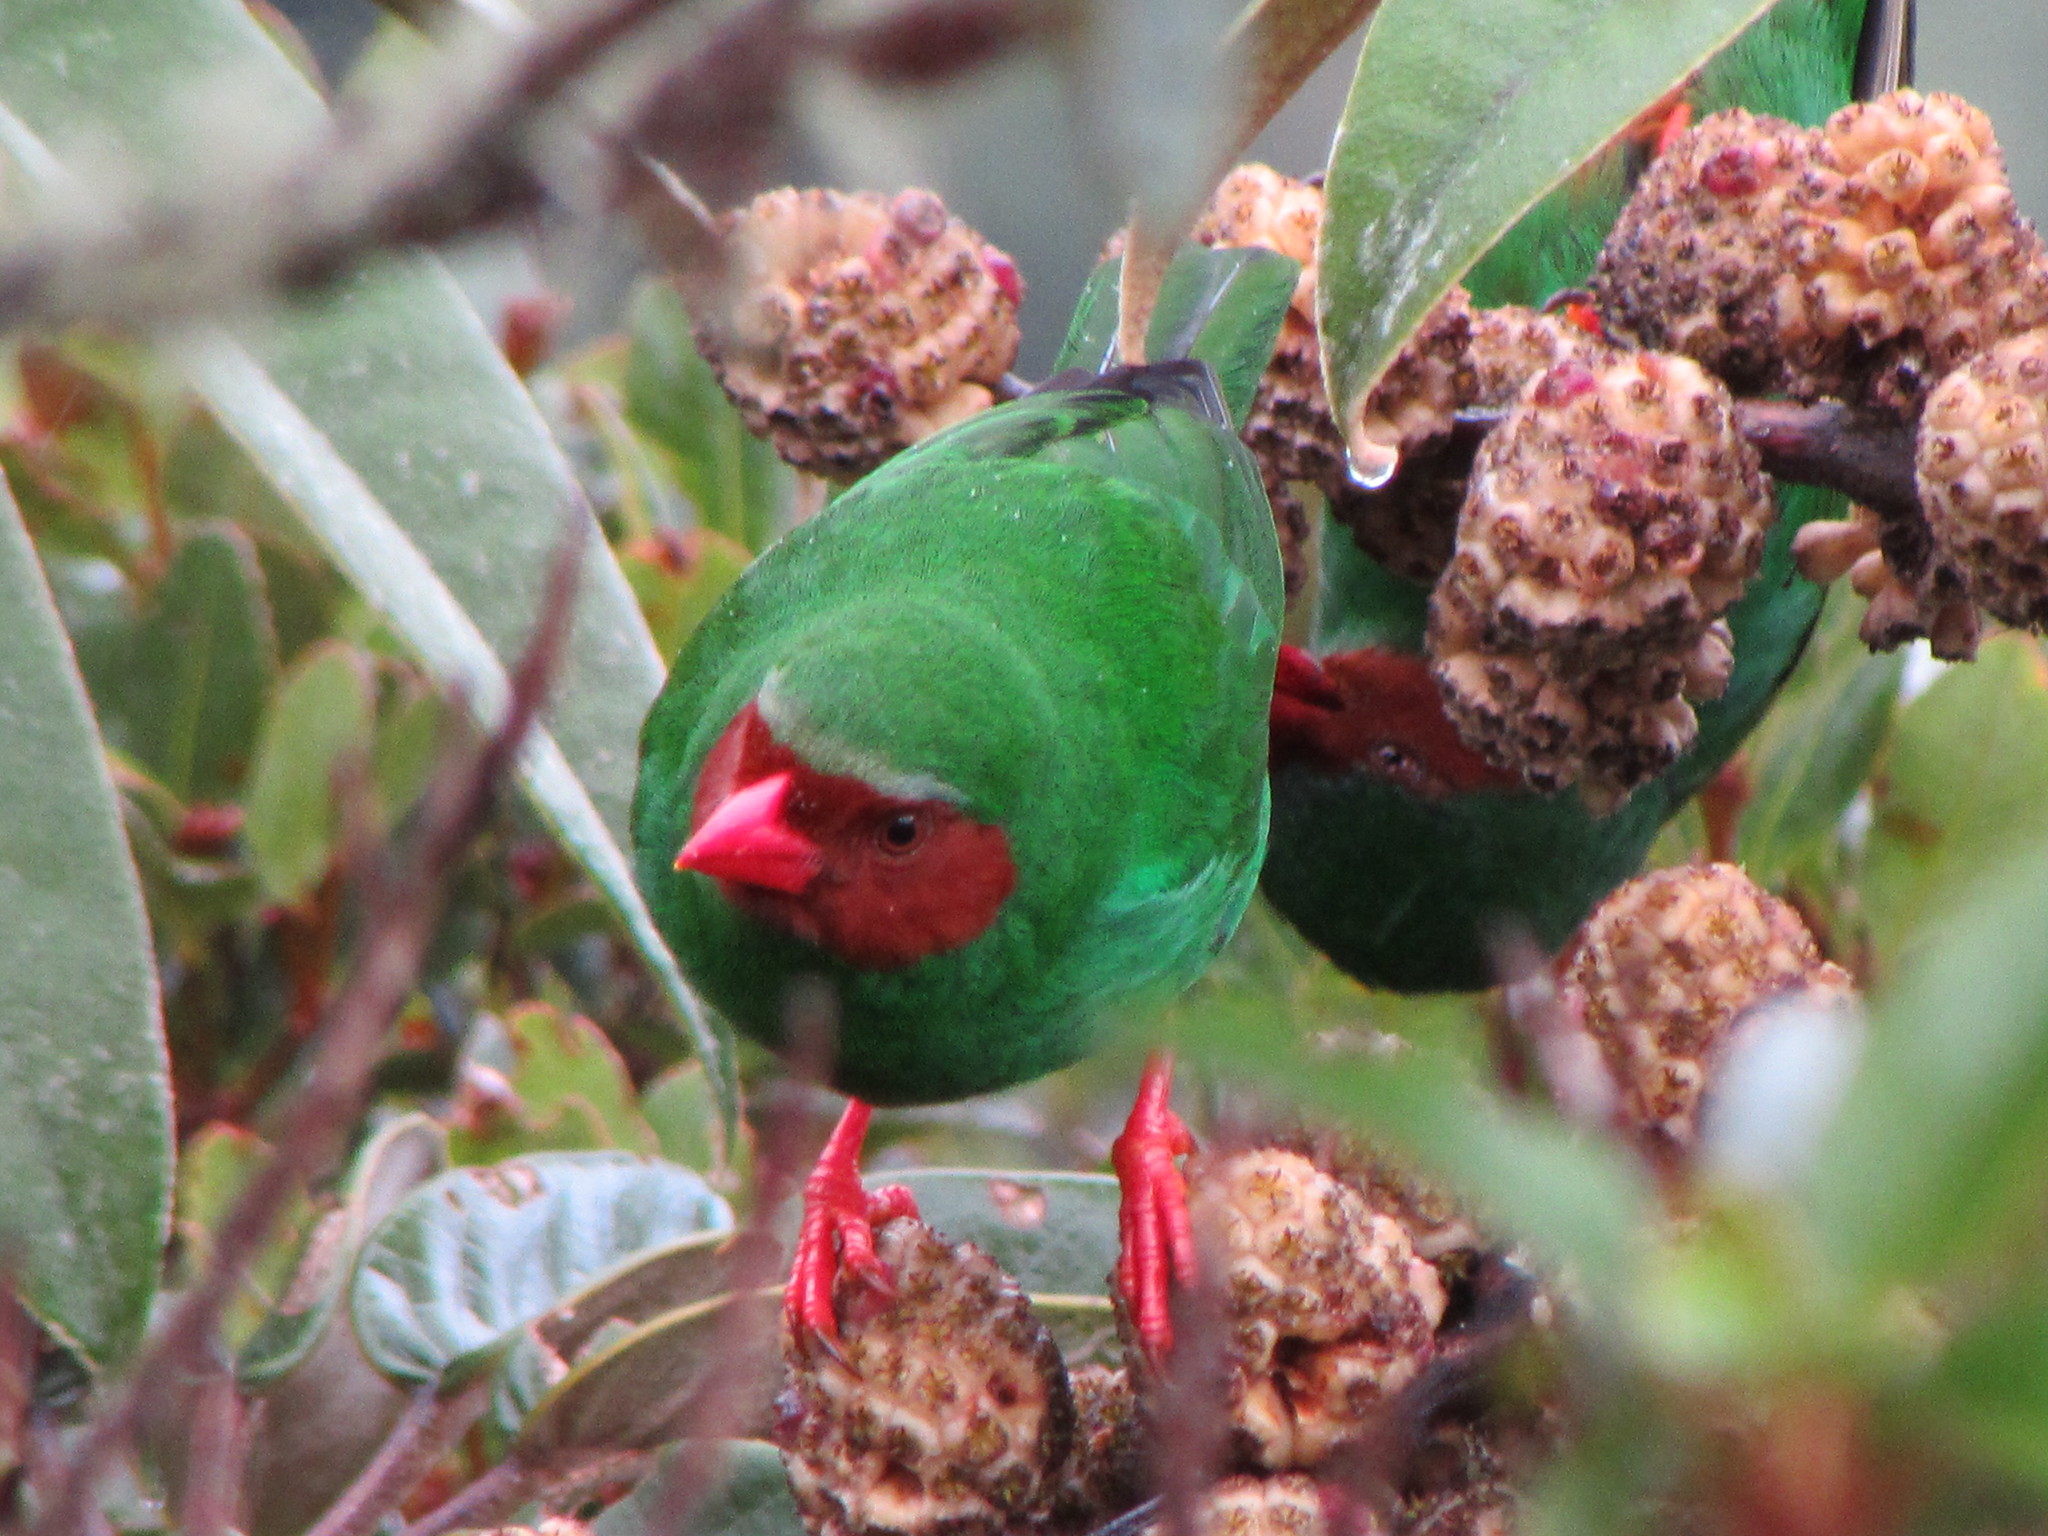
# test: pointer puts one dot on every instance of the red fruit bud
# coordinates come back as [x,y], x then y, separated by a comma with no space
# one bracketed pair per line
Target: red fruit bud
[1004,273]
[1732,173]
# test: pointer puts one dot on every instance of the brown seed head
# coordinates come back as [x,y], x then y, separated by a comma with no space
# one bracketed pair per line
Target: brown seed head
[1693,264]
[1907,254]
[944,1408]
[852,325]
[1331,1310]
[1982,463]
[1665,966]
[1611,520]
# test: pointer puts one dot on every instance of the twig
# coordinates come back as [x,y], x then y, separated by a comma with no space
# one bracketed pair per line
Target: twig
[1867,457]
[216,1455]
[456,158]
[512,1483]
[756,1260]
[505,1487]
[405,890]
[1188,1418]
[430,1424]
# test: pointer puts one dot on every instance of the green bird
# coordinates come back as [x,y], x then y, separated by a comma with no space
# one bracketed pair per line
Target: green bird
[1394,848]
[979,752]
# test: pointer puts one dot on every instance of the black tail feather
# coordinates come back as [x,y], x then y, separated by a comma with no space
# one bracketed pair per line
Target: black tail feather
[1185,383]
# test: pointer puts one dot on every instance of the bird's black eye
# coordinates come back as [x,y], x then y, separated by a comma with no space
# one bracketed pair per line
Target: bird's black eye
[902,832]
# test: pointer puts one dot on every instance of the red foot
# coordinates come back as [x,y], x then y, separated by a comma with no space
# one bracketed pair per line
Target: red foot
[1158,1240]
[838,1233]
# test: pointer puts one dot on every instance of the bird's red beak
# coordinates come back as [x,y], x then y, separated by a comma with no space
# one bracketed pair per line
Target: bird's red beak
[746,840]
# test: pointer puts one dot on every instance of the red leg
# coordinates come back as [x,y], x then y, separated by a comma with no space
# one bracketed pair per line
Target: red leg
[838,1228]
[1158,1237]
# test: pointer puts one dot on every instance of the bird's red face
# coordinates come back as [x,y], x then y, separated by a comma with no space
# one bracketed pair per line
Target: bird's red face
[879,880]
[1379,711]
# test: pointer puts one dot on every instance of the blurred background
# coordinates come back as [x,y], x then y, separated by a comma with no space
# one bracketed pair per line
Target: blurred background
[1006,142]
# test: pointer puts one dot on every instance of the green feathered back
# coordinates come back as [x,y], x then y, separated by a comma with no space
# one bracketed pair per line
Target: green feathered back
[1066,609]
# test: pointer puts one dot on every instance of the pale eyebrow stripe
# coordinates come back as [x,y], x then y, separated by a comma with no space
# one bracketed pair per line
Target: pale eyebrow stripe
[794,730]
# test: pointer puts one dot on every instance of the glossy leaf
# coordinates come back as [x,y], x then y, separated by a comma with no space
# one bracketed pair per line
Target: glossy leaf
[1462,115]
[1960,788]
[385,417]
[85,1112]
[750,1498]
[316,733]
[1221,305]
[448,1279]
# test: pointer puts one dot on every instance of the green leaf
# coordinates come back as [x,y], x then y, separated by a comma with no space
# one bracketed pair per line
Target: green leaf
[318,728]
[184,693]
[1815,748]
[405,1152]
[1960,788]
[635,1392]
[678,1105]
[1055,1232]
[1462,115]
[680,583]
[643,1288]
[573,1092]
[449,1278]
[386,418]
[734,479]
[750,1498]
[1941,1145]
[1223,306]
[85,1106]
[1987,1401]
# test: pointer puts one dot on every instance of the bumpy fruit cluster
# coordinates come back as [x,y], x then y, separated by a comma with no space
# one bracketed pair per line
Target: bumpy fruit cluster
[850,326]
[1331,1310]
[1291,1504]
[1666,966]
[1694,265]
[1612,518]
[1908,253]
[1982,466]
[944,1407]
[1461,360]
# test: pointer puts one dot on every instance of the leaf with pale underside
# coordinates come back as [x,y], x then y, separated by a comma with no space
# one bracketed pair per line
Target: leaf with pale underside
[85,1111]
